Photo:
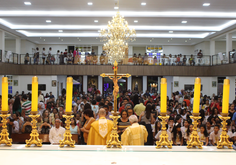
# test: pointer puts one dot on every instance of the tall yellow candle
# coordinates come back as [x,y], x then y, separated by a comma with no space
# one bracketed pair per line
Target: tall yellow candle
[69,89]
[225,102]
[163,95]
[4,94]
[34,106]
[197,91]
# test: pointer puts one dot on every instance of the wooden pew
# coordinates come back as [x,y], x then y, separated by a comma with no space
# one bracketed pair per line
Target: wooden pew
[20,138]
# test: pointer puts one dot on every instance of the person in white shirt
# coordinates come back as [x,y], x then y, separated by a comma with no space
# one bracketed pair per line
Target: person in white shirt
[56,133]
[184,128]
[44,55]
[209,128]
[41,98]
[215,135]
[203,135]
[16,126]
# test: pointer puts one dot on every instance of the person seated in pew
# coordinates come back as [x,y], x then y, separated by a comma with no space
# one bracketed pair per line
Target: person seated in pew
[135,134]
[56,133]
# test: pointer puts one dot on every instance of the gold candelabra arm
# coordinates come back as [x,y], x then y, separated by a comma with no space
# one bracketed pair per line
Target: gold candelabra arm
[164,141]
[67,135]
[224,137]
[34,135]
[194,138]
[4,139]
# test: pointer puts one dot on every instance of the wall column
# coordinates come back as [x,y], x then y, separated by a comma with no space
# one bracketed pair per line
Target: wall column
[169,85]
[144,84]
[100,85]
[232,89]
[130,51]
[228,44]
[2,44]
[85,84]
[18,49]
[129,83]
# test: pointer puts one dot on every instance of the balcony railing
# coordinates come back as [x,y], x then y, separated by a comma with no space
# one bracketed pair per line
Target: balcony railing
[186,60]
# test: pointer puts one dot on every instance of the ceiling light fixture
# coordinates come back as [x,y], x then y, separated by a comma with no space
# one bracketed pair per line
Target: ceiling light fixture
[96,21]
[170,31]
[206,4]
[60,31]
[184,21]
[90,3]
[48,21]
[27,3]
[116,8]
[135,21]
[143,3]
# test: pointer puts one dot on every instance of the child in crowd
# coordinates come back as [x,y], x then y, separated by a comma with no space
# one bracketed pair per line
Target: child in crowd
[177,135]
[215,135]
[188,133]
[203,135]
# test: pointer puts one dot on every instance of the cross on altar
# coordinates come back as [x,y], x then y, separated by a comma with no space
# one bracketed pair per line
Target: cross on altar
[114,141]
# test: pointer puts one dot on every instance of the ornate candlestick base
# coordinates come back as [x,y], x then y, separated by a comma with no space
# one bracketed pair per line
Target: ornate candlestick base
[67,135]
[4,139]
[164,136]
[114,140]
[194,138]
[224,138]
[34,136]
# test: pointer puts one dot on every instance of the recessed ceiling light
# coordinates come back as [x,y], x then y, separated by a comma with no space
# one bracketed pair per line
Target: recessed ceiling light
[90,3]
[135,21]
[95,20]
[170,31]
[48,21]
[143,3]
[184,21]
[116,7]
[206,4]
[27,3]
[60,31]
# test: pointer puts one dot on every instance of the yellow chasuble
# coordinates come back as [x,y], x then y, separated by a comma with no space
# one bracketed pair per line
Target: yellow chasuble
[134,135]
[100,131]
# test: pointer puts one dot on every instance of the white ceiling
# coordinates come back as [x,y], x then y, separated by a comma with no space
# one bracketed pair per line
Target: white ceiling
[156,19]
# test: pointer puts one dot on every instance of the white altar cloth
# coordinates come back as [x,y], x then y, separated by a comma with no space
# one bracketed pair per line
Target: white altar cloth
[100,155]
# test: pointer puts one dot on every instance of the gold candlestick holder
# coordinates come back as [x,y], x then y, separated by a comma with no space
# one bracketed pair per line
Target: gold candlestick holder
[4,139]
[67,135]
[164,136]
[34,136]
[194,138]
[224,137]
[114,141]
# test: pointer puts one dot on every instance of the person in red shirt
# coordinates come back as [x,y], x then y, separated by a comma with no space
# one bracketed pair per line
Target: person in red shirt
[214,104]
[125,101]
[186,99]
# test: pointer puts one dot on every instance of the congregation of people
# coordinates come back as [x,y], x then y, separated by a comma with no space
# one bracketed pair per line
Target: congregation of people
[74,57]
[138,124]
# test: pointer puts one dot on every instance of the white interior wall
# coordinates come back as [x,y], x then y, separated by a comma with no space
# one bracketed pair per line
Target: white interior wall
[141,50]
[220,46]
[178,49]
[204,46]
[206,83]
[169,80]
[27,46]
[10,45]
[55,48]
[23,81]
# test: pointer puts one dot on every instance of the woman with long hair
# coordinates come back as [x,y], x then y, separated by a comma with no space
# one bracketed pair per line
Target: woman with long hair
[74,129]
[147,118]
[88,114]
[177,135]
[203,135]
[17,105]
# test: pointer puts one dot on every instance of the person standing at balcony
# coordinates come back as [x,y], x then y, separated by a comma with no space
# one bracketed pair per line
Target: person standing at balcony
[49,56]
[44,55]
[36,56]
[65,56]
[61,58]
[199,57]
[57,58]
[76,56]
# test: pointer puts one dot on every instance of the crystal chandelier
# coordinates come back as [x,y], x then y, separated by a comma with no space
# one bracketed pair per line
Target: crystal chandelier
[117,35]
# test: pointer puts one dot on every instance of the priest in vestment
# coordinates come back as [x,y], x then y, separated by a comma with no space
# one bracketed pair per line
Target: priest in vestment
[135,134]
[100,130]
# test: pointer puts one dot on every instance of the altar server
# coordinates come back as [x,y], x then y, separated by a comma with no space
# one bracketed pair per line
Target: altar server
[56,133]
[135,134]
[100,130]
